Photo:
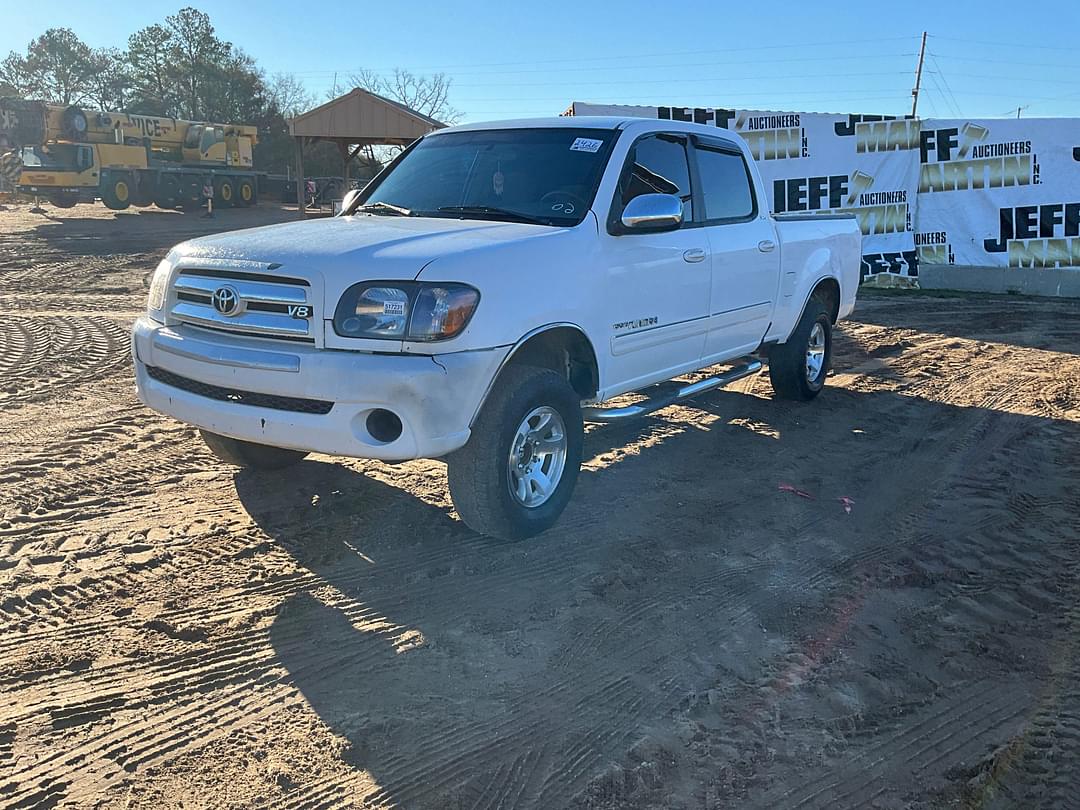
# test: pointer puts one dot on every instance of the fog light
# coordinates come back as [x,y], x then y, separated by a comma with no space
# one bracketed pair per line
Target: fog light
[383,425]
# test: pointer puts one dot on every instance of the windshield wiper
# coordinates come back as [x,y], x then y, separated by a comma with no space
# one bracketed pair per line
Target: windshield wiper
[503,213]
[385,208]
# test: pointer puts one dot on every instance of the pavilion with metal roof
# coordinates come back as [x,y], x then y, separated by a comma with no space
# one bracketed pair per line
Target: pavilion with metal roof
[357,119]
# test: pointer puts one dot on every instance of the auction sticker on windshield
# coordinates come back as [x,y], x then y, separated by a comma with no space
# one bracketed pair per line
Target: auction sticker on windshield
[585,145]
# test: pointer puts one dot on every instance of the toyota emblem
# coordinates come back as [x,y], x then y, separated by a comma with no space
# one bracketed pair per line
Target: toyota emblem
[226,300]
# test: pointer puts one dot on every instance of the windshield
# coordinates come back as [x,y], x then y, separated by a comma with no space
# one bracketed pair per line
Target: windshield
[58,156]
[547,176]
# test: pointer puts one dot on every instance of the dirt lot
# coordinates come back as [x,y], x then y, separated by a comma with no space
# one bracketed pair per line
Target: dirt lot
[176,634]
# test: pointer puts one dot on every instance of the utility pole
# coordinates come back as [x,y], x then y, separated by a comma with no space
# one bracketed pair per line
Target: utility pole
[1018,111]
[918,77]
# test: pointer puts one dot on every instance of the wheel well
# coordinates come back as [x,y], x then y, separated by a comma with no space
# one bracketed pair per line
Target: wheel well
[566,350]
[828,290]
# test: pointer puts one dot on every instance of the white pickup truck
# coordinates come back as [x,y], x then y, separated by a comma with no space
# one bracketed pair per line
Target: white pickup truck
[488,291]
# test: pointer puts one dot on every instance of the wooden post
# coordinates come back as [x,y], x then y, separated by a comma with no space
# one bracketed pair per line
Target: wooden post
[352,157]
[300,175]
[343,150]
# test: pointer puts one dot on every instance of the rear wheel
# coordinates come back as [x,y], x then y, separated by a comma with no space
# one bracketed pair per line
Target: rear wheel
[516,474]
[249,454]
[117,191]
[798,368]
[142,196]
[224,192]
[167,193]
[245,192]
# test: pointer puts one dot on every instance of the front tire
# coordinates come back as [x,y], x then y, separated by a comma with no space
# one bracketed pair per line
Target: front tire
[249,454]
[515,476]
[64,199]
[117,191]
[798,368]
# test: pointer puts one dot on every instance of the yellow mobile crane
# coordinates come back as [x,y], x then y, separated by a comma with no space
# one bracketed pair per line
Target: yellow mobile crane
[66,154]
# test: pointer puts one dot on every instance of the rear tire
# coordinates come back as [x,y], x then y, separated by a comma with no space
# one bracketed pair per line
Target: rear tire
[245,192]
[249,454]
[167,193]
[224,192]
[798,368]
[142,196]
[525,446]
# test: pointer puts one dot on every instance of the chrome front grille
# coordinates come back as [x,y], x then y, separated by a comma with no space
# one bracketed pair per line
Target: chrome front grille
[242,303]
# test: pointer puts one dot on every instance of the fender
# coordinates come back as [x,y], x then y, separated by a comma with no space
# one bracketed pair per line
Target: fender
[517,345]
[810,293]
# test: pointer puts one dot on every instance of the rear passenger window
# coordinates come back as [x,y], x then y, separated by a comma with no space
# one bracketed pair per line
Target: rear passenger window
[725,184]
[658,165]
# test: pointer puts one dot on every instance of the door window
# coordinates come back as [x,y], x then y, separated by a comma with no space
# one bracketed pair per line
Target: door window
[657,164]
[725,185]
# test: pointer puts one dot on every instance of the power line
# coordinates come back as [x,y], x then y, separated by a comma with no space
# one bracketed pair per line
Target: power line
[949,107]
[744,49]
[823,100]
[622,68]
[1027,46]
[983,60]
[568,96]
[944,81]
[1024,79]
[680,80]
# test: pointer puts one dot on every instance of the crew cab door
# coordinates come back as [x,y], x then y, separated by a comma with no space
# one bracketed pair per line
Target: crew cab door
[657,288]
[744,252]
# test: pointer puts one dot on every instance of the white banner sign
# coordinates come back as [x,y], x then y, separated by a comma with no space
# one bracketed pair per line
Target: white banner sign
[828,163]
[1000,193]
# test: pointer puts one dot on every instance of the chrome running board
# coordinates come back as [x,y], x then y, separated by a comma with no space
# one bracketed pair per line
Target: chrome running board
[594,414]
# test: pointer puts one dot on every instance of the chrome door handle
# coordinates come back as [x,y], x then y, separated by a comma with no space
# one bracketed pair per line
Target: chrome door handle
[766,245]
[694,255]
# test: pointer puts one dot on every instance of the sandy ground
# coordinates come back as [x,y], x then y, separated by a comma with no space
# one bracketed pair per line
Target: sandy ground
[174,633]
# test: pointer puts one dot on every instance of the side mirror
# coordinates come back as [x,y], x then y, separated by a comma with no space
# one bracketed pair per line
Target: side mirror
[348,200]
[653,212]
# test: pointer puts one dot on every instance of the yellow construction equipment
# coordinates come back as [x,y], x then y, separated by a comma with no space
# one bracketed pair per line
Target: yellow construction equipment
[67,154]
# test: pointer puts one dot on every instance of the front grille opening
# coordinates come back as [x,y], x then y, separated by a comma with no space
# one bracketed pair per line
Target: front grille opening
[241,276]
[242,334]
[216,392]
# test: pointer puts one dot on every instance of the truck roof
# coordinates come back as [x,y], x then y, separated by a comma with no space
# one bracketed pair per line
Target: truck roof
[570,122]
[595,122]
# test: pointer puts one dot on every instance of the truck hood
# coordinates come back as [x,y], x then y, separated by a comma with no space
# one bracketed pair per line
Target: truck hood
[340,251]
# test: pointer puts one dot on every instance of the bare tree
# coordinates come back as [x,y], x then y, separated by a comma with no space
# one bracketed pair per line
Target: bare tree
[428,95]
[289,95]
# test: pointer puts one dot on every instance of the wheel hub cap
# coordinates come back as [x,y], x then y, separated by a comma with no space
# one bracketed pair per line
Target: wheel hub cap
[537,457]
[815,353]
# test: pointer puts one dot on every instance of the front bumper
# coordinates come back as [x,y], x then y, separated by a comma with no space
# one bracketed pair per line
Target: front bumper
[435,397]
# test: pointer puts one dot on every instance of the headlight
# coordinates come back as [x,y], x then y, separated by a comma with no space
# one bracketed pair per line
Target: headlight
[441,311]
[405,310]
[159,284]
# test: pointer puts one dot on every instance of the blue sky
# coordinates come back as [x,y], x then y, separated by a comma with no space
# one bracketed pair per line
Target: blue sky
[509,60]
